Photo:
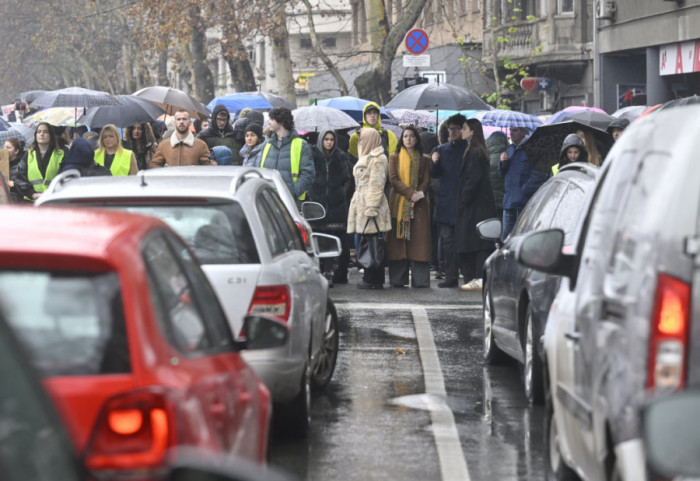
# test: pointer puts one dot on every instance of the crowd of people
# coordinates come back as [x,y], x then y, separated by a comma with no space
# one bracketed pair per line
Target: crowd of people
[426,192]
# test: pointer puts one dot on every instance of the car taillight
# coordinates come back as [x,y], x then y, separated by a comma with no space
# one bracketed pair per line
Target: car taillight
[273,300]
[304,235]
[669,334]
[133,433]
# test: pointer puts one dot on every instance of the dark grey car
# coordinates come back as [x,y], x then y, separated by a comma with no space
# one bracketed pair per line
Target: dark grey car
[517,298]
[624,323]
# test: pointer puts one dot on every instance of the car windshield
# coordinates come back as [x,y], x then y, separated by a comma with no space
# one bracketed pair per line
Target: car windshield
[218,234]
[72,323]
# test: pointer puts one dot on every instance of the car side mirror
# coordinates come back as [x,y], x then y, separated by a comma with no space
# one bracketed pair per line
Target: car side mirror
[312,211]
[542,250]
[490,229]
[325,245]
[671,436]
[263,332]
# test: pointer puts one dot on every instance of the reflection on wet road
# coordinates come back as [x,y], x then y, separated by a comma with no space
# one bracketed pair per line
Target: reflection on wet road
[412,400]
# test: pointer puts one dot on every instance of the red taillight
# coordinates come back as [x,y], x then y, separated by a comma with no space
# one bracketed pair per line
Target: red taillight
[273,300]
[133,432]
[304,235]
[669,334]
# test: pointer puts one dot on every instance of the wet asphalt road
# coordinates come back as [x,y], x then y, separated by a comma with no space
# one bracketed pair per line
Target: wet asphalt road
[411,399]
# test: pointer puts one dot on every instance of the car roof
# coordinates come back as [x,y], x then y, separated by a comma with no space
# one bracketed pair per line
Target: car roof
[84,232]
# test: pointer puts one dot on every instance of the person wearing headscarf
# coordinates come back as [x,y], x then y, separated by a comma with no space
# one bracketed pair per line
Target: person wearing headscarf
[369,204]
[409,243]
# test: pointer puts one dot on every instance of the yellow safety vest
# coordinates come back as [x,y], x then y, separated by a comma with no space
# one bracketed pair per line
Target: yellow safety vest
[295,159]
[34,174]
[121,163]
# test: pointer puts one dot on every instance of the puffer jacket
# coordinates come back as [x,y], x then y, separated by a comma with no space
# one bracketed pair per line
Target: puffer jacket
[279,158]
[369,201]
[252,158]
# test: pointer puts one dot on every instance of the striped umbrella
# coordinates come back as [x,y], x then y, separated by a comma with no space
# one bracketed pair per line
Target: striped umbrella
[506,119]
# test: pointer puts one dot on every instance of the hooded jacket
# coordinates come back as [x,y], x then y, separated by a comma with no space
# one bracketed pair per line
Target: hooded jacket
[212,136]
[571,140]
[331,184]
[389,141]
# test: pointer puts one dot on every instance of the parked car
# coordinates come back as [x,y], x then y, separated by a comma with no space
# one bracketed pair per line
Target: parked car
[621,325]
[516,298]
[254,255]
[37,446]
[130,339]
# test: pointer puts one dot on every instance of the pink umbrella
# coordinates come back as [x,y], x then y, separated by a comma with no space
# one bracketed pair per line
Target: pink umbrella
[561,115]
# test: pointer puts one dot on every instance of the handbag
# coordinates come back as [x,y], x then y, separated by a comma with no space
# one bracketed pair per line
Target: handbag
[371,248]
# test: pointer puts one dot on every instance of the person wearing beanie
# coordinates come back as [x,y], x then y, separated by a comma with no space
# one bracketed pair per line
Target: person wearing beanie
[81,157]
[572,150]
[254,138]
[220,132]
[221,154]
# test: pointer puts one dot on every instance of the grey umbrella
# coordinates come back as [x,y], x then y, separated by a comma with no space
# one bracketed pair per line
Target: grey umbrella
[171,99]
[133,110]
[316,118]
[274,99]
[436,96]
[74,97]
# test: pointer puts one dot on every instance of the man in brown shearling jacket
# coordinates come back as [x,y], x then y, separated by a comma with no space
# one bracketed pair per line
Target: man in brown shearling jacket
[182,148]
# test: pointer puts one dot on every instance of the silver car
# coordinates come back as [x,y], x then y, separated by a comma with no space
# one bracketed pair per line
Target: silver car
[623,324]
[251,249]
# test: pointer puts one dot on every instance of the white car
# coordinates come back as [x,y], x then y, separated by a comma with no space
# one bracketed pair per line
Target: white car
[251,248]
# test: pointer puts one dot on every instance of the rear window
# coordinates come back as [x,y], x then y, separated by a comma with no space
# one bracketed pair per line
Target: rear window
[218,234]
[72,323]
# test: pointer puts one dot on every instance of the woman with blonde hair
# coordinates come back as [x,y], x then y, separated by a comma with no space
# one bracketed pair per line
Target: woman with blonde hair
[409,244]
[589,143]
[140,139]
[112,155]
[369,209]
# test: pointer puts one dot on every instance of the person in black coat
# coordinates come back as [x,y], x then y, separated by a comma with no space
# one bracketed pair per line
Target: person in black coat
[18,188]
[474,204]
[330,190]
[81,157]
[220,132]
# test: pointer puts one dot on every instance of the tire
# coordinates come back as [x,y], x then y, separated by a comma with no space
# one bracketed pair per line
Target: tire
[328,354]
[492,354]
[555,468]
[532,369]
[297,413]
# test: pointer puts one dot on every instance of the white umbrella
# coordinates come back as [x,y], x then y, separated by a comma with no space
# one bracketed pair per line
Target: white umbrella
[316,118]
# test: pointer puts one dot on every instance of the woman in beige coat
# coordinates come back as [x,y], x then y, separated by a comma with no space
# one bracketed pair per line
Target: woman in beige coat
[368,203]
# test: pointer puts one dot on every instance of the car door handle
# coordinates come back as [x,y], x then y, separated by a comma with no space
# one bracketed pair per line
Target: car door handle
[573,336]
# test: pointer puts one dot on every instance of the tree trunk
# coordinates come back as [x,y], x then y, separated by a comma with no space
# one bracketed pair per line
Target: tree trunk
[162,74]
[236,57]
[282,55]
[242,75]
[203,80]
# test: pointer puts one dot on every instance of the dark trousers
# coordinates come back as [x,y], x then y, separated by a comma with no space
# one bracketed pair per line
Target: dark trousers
[449,248]
[510,217]
[374,276]
[338,266]
[472,264]
[420,273]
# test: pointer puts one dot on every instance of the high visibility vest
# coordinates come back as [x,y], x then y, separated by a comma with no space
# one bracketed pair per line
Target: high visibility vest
[34,174]
[121,163]
[295,159]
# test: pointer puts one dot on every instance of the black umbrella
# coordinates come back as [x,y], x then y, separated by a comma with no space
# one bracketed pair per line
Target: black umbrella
[74,97]
[544,145]
[274,99]
[592,118]
[680,102]
[132,111]
[437,96]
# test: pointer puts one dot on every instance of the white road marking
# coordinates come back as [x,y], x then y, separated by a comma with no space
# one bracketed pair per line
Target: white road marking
[453,466]
[396,307]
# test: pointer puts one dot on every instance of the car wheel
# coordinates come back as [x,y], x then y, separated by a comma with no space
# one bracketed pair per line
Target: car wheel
[492,354]
[328,354]
[297,413]
[532,367]
[555,467]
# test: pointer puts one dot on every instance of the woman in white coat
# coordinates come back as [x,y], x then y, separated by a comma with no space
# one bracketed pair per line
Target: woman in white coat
[369,203]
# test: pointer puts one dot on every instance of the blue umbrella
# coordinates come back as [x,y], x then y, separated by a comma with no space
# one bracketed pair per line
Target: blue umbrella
[237,102]
[507,119]
[352,106]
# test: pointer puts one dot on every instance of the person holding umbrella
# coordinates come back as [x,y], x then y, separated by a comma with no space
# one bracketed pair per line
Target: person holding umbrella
[41,162]
[140,140]
[112,155]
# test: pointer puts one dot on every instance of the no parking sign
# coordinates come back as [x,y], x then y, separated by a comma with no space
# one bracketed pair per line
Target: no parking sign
[416,41]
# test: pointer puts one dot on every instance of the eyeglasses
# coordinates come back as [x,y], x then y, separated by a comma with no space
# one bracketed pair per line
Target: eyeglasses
[454,129]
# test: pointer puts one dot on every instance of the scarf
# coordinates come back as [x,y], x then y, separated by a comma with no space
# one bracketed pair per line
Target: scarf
[409,165]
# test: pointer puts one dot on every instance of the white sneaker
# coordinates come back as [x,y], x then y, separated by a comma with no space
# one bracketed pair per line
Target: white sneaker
[473,285]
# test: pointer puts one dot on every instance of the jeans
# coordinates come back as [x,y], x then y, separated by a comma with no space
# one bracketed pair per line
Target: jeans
[510,217]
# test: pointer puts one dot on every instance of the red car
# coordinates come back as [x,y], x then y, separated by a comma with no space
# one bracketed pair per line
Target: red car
[130,339]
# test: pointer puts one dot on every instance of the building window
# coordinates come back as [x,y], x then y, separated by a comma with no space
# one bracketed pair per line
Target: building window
[328,42]
[565,6]
[517,10]
[305,43]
